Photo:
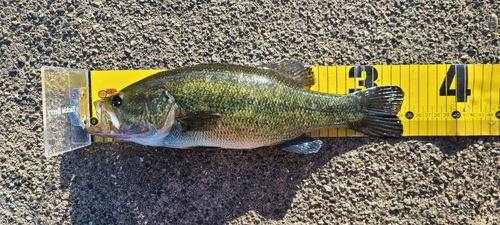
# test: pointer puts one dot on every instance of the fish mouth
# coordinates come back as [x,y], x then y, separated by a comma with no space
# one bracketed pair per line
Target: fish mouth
[108,122]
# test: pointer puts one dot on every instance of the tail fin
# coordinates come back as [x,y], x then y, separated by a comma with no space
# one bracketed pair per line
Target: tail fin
[381,105]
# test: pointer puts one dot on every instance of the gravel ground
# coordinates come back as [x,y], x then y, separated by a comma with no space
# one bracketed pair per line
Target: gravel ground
[435,180]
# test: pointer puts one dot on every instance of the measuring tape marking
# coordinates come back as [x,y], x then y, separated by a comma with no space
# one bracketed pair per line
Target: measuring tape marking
[440,99]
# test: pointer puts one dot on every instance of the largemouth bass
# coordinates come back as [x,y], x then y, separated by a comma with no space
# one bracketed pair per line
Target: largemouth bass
[213,106]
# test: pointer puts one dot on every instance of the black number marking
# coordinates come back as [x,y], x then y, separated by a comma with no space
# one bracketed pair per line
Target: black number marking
[456,114]
[461,92]
[371,76]
[409,115]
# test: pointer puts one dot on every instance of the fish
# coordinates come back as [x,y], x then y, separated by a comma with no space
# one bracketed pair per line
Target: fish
[225,106]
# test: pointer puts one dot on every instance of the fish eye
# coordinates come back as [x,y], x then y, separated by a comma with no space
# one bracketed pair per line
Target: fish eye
[116,101]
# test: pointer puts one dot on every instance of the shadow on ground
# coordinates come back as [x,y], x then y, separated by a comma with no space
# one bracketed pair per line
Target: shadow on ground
[127,183]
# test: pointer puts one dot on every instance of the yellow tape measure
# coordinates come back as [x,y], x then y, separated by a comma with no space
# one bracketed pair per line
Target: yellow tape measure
[440,100]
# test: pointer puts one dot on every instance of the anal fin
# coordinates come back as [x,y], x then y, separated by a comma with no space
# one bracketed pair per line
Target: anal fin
[301,145]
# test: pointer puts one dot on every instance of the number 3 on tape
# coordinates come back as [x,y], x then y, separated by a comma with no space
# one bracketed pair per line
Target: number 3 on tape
[371,76]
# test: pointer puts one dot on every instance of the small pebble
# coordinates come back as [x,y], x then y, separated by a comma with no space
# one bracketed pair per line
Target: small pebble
[141,159]
[436,180]
[21,62]
[493,23]
[48,51]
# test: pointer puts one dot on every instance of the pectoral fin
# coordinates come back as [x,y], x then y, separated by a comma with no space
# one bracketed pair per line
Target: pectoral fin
[199,120]
[302,145]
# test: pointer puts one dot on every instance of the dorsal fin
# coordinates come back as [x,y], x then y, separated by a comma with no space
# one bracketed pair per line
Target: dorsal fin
[295,71]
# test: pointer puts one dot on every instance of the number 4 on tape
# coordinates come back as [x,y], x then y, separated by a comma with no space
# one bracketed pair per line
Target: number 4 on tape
[460,73]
